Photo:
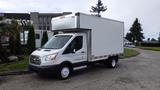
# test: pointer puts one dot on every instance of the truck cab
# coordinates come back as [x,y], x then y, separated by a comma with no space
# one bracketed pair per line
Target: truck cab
[68,49]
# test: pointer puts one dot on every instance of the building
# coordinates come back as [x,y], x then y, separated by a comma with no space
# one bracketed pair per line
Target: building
[22,18]
[42,21]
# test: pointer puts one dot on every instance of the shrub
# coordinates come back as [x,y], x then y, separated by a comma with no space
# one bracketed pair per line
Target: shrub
[18,44]
[31,39]
[24,49]
[44,38]
[150,44]
[12,44]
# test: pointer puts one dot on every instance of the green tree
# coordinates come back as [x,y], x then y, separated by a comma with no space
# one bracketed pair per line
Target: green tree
[3,30]
[18,44]
[12,44]
[98,8]
[31,39]
[153,39]
[136,32]
[159,39]
[1,33]
[44,38]
[129,37]
[1,18]
[14,40]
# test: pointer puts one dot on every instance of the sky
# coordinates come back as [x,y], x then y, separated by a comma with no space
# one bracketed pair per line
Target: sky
[147,11]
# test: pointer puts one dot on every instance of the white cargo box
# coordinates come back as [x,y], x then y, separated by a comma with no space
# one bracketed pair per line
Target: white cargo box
[106,34]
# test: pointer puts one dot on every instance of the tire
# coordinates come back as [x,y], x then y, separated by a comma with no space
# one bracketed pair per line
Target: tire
[112,62]
[64,72]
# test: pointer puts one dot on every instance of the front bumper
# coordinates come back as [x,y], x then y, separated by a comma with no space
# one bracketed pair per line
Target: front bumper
[34,68]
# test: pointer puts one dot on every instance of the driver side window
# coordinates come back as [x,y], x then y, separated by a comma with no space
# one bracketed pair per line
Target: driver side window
[75,45]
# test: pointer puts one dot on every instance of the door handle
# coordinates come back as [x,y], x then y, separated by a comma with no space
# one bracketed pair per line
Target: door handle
[83,52]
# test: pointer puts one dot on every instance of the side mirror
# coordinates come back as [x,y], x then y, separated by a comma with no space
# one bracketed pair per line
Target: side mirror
[74,50]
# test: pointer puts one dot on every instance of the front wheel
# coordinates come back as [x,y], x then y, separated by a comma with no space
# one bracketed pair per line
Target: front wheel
[64,72]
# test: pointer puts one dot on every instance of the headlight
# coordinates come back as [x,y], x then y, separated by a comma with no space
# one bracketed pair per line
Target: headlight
[50,57]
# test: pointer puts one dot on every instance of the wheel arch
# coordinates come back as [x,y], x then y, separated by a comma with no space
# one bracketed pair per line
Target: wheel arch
[116,57]
[67,63]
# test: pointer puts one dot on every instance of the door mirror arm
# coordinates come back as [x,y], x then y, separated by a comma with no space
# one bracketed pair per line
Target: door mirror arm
[74,50]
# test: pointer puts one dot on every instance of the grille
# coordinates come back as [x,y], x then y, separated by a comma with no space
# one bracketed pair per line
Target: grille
[35,59]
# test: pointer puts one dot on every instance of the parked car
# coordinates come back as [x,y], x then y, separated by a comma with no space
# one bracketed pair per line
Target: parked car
[128,44]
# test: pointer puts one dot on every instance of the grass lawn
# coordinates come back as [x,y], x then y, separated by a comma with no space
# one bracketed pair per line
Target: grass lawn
[150,48]
[129,53]
[19,65]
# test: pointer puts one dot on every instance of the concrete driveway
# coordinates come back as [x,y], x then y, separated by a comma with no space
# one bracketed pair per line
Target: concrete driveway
[138,73]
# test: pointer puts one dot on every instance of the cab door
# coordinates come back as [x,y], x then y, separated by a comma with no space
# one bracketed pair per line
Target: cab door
[77,49]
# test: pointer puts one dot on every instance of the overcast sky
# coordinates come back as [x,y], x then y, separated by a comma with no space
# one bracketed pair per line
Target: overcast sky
[147,11]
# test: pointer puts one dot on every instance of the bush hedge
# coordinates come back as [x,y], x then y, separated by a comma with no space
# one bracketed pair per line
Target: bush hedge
[31,39]
[150,44]
[44,38]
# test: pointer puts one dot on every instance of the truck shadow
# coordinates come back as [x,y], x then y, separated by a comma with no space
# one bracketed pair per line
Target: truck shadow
[98,68]
[93,70]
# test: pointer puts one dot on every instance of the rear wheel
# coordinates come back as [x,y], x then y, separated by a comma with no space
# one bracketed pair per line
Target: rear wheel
[112,62]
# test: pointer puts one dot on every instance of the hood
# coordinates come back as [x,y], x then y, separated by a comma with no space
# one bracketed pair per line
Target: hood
[44,52]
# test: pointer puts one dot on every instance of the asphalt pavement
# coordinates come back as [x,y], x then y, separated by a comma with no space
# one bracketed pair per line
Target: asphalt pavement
[137,73]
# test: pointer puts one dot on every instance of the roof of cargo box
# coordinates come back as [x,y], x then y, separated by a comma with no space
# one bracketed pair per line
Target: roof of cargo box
[70,21]
[73,30]
[78,13]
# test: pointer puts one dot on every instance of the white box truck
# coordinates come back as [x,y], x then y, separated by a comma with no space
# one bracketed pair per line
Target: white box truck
[81,40]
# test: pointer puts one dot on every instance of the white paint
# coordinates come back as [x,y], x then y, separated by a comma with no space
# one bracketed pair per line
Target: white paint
[107,34]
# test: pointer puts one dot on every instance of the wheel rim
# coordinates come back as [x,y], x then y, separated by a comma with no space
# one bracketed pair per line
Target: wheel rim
[65,72]
[113,63]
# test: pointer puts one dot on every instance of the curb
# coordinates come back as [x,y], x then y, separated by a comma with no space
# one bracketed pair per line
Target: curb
[17,72]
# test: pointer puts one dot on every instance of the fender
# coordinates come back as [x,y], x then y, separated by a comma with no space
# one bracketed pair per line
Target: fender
[63,59]
[71,61]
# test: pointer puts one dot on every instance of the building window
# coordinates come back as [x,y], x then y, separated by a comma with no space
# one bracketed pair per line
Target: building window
[45,20]
[40,27]
[49,20]
[40,20]
[37,36]
[48,27]
[44,27]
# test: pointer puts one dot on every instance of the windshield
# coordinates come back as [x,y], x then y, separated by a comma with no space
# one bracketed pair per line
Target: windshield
[57,42]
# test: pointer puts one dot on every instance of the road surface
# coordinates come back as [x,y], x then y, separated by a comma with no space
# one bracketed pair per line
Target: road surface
[137,73]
